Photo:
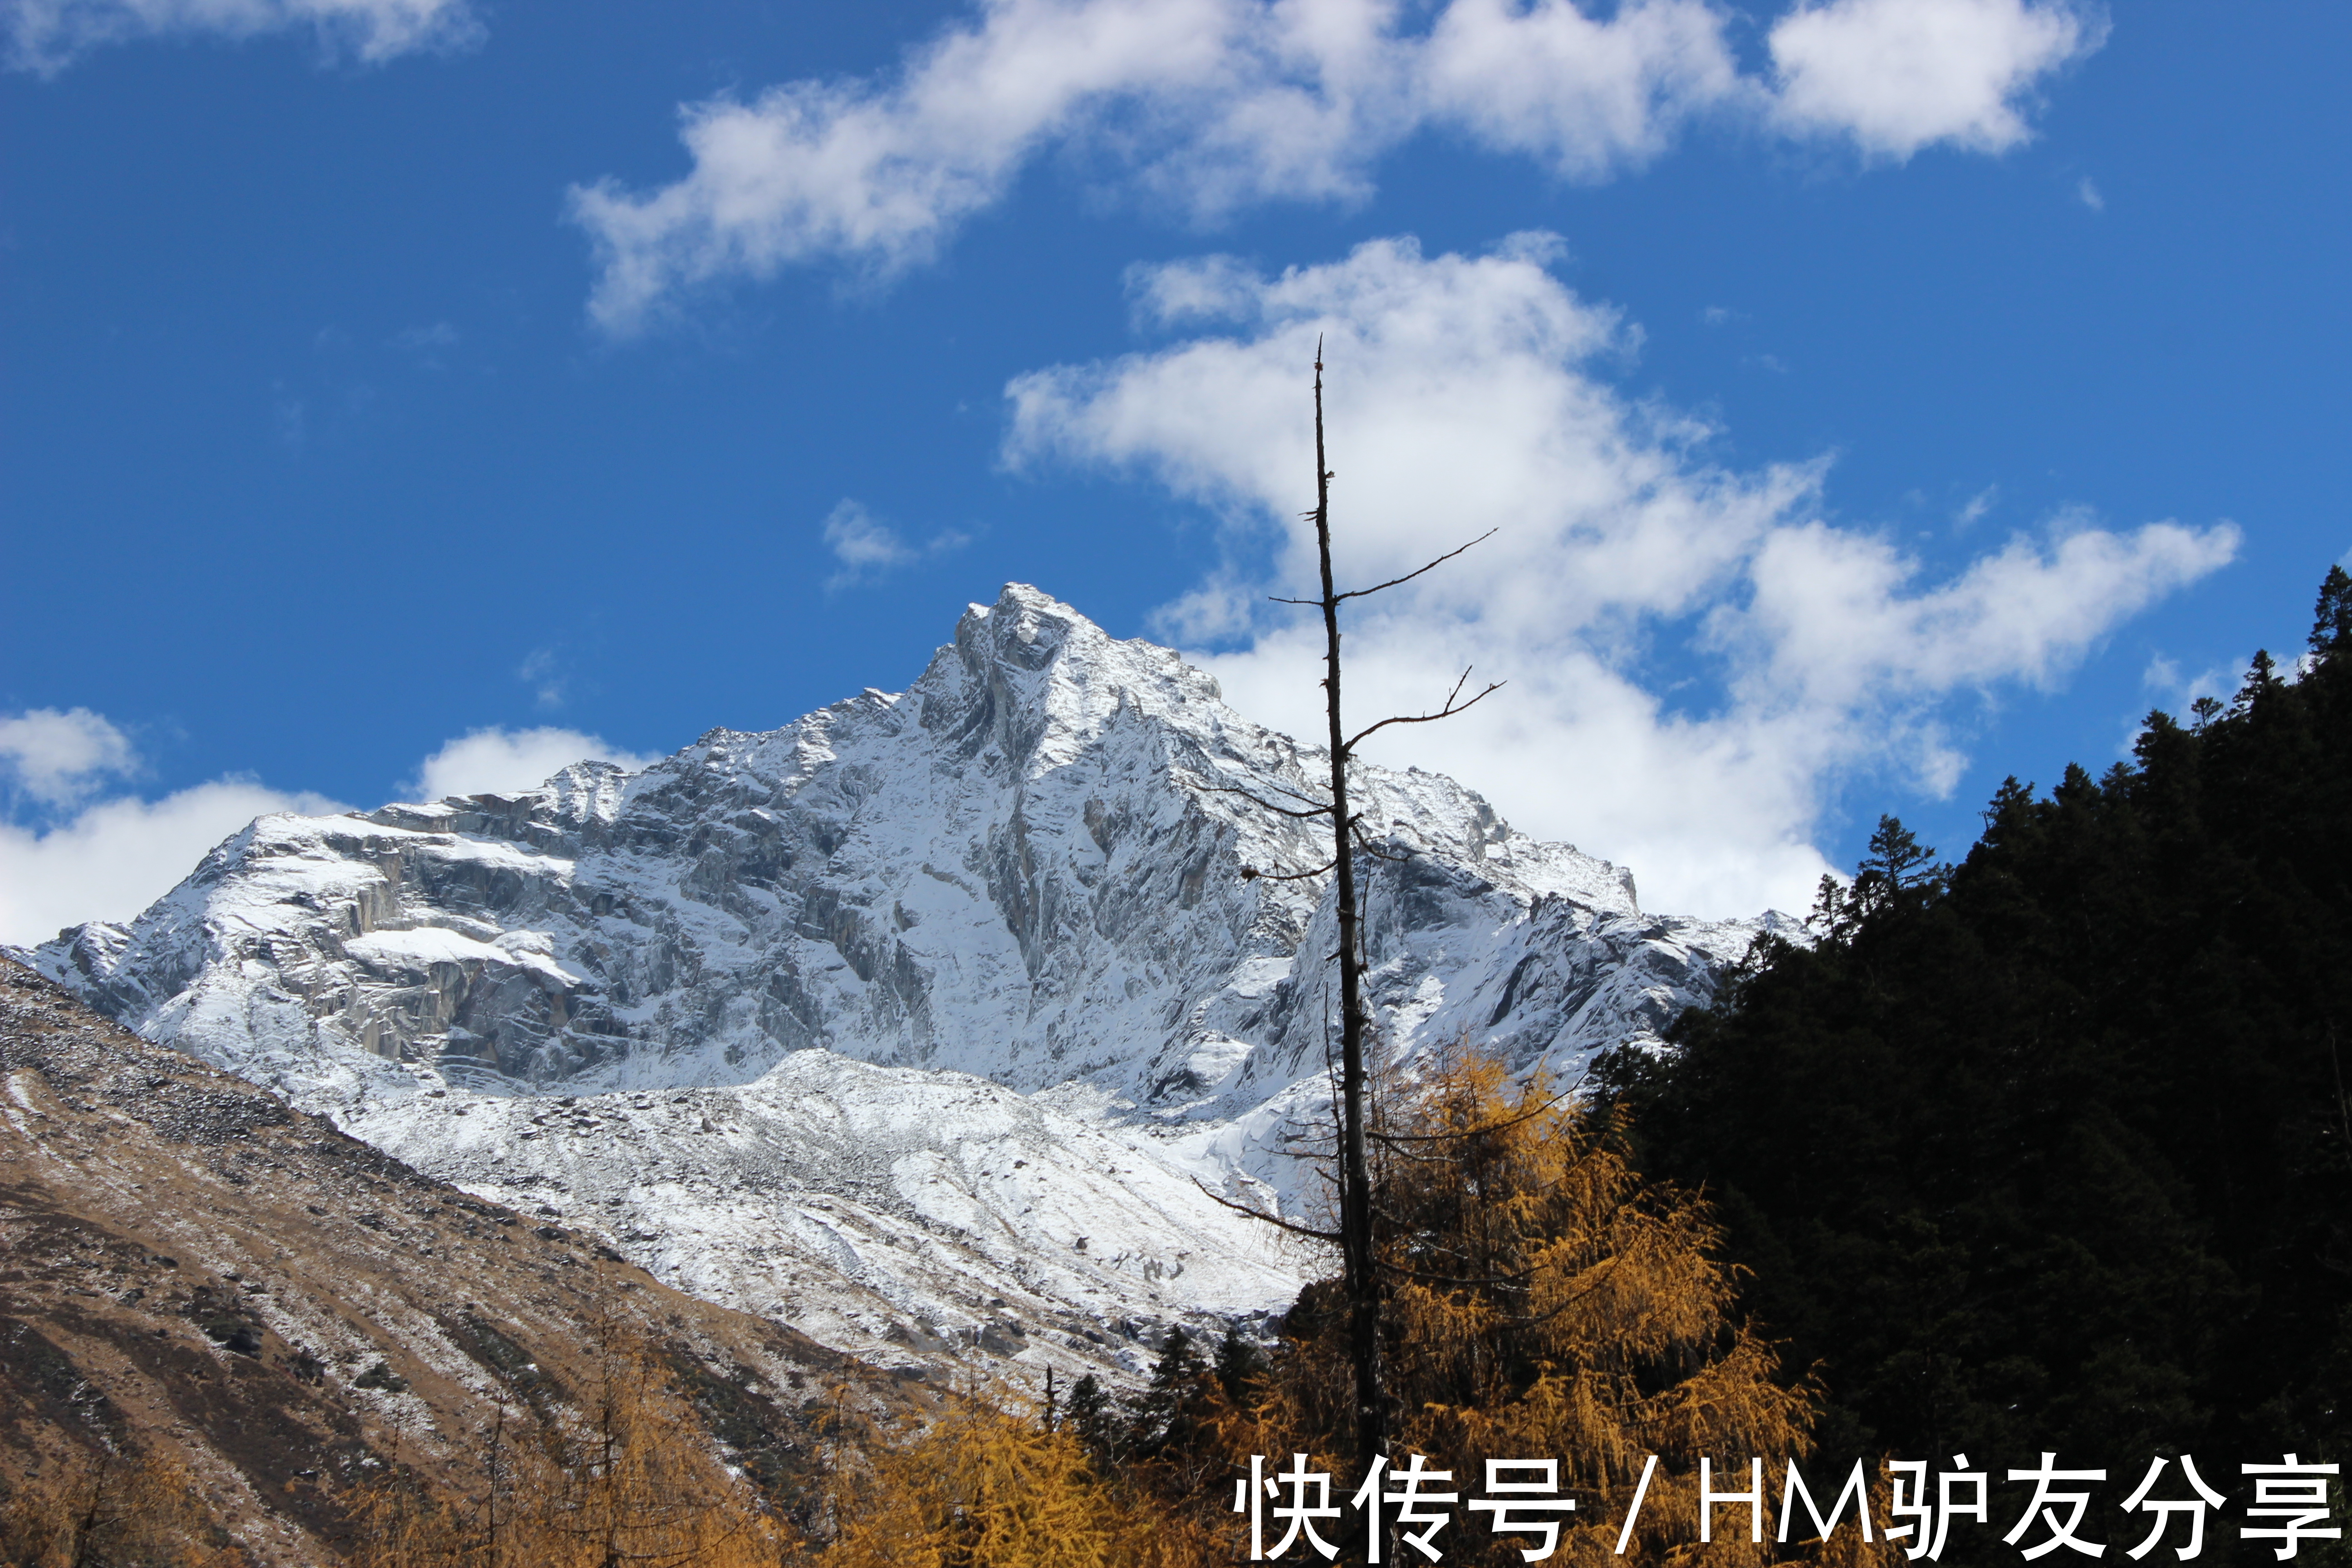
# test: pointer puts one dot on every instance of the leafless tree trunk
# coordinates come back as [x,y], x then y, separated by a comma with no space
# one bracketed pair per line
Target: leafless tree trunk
[1362,1279]
[1356,1246]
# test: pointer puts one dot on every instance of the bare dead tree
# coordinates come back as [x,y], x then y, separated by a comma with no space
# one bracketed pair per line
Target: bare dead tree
[1357,1250]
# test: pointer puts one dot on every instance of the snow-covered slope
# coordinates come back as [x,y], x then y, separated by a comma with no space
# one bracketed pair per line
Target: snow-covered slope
[891,1212]
[1026,867]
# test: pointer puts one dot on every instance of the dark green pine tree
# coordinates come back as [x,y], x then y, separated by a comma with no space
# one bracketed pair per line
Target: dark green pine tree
[1093,1416]
[1897,859]
[1240,1363]
[1165,1417]
[2334,622]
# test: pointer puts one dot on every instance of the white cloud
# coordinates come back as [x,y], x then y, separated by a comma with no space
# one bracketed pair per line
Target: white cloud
[1585,96]
[861,541]
[1895,76]
[102,859]
[1832,631]
[1696,659]
[45,36]
[505,762]
[2088,194]
[1207,105]
[867,547]
[58,758]
[114,858]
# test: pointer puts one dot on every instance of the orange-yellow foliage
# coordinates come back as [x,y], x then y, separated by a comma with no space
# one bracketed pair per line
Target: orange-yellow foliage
[1545,1302]
[105,1508]
[630,1479]
[632,1482]
[987,1489]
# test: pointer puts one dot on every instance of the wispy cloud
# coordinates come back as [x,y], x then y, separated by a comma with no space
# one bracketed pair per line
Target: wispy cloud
[59,757]
[1202,108]
[1467,392]
[867,547]
[2088,194]
[289,419]
[543,671]
[429,346]
[2178,693]
[47,36]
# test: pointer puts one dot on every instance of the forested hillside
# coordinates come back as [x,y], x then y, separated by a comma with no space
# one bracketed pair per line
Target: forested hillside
[2050,1149]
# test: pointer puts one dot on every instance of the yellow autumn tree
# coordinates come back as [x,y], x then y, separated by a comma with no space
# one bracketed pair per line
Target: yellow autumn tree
[91,1508]
[985,1487]
[1543,1301]
[628,1477]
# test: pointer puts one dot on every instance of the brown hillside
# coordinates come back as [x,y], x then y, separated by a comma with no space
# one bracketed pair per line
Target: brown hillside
[193,1275]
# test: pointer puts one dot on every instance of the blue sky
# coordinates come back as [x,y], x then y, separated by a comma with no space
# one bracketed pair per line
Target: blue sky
[1876,398]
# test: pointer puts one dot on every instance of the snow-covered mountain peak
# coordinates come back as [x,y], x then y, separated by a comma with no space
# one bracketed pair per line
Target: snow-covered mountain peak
[1027,867]
[1041,681]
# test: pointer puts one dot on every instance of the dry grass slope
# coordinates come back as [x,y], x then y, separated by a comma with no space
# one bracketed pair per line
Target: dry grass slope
[217,1308]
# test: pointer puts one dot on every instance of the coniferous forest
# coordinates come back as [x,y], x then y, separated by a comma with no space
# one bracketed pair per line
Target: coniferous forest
[2051,1148]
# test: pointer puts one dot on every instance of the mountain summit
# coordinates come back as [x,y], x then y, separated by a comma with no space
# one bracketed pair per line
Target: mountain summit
[1027,867]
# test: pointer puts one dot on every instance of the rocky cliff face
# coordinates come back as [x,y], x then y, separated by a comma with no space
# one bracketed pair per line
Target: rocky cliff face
[1026,867]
